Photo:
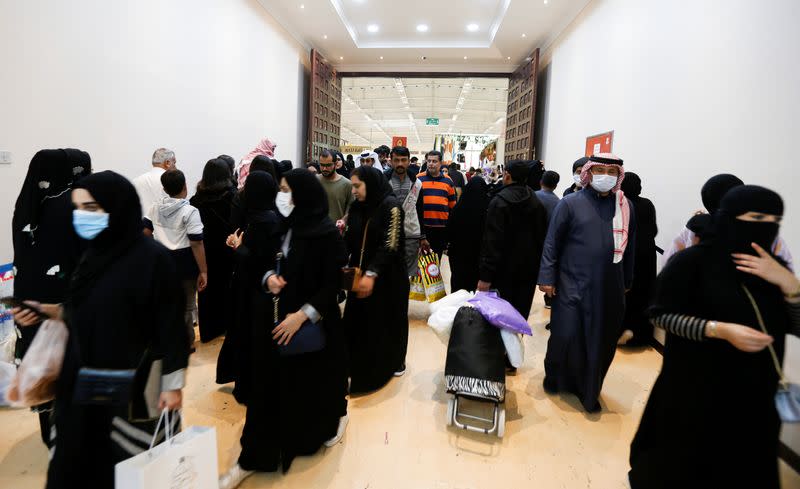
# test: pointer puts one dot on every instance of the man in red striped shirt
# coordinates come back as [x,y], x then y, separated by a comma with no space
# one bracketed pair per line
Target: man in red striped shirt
[438,199]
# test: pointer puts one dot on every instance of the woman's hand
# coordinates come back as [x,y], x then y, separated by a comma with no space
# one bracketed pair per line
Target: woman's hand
[766,267]
[275,283]
[235,240]
[743,337]
[171,400]
[365,286]
[285,331]
[27,317]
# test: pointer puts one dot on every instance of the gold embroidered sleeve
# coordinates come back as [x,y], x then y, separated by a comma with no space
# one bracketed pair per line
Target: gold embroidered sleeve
[393,233]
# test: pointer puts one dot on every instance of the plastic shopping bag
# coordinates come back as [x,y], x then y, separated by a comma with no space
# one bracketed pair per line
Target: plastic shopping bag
[187,460]
[515,348]
[431,273]
[444,311]
[35,382]
[7,373]
[417,290]
[500,313]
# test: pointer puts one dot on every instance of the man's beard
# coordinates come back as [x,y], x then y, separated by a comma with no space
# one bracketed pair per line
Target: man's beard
[400,170]
[327,174]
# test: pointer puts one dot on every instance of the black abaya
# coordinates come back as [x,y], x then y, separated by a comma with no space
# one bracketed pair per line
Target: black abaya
[377,352]
[464,228]
[124,310]
[296,401]
[644,265]
[213,312]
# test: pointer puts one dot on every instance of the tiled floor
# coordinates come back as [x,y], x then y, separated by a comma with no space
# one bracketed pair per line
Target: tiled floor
[397,437]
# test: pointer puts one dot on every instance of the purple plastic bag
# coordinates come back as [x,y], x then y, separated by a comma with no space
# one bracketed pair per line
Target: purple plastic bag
[500,313]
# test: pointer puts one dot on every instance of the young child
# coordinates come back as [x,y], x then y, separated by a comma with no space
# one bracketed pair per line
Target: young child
[177,225]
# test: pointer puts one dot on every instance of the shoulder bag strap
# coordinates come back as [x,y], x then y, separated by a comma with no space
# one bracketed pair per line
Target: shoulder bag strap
[364,243]
[764,329]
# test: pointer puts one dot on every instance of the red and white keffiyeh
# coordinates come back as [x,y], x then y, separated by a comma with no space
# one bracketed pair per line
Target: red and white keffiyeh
[622,212]
[265,147]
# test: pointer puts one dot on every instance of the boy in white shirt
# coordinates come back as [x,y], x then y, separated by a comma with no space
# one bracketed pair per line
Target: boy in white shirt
[177,225]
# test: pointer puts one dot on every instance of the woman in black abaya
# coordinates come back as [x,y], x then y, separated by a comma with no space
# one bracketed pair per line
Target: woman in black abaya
[637,329]
[464,227]
[255,247]
[46,248]
[376,314]
[297,402]
[214,199]
[711,419]
[124,310]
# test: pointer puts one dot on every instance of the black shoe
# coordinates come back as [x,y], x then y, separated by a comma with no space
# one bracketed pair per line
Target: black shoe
[511,371]
[547,326]
[549,386]
[400,371]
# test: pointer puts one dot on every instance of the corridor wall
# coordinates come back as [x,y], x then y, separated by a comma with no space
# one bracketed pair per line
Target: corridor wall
[120,79]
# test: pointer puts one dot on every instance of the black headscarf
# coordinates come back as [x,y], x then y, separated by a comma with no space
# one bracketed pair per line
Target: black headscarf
[377,187]
[117,196]
[715,188]
[632,186]
[472,205]
[259,197]
[699,225]
[310,215]
[216,180]
[579,163]
[282,168]
[51,173]
[734,235]
[265,164]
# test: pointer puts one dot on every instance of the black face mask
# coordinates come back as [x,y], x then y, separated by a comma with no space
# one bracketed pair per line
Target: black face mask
[738,235]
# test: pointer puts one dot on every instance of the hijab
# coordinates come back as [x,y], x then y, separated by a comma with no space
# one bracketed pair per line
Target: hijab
[310,215]
[259,197]
[117,196]
[378,188]
[216,180]
[734,235]
[471,207]
[715,189]
[265,164]
[51,173]
[535,173]
[632,186]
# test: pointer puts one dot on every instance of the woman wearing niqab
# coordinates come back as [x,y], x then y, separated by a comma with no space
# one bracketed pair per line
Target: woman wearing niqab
[711,419]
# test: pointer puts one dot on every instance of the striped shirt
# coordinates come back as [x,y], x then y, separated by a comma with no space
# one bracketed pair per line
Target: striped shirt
[438,198]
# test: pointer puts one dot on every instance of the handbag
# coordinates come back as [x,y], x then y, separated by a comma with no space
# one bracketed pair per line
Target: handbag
[103,387]
[309,338]
[787,397]
[351,276]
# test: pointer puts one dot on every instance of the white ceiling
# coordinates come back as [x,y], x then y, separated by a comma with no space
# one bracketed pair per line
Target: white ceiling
[375,109]
[505,31]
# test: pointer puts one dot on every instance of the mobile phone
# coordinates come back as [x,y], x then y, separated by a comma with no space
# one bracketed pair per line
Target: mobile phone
[12,302]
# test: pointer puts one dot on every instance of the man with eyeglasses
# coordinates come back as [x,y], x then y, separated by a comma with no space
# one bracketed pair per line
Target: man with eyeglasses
[338,188]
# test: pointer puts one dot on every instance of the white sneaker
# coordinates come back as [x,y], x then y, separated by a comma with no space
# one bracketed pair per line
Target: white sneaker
[339,432]
[627,335]
[234,477]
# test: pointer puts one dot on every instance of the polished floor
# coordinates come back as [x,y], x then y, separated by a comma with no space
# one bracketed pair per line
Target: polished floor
[397,437]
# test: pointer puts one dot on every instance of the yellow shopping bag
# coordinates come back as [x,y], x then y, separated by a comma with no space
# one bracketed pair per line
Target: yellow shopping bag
[431,275]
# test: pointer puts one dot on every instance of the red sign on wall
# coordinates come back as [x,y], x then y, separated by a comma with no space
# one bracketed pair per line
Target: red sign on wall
[399,141]
[599,143]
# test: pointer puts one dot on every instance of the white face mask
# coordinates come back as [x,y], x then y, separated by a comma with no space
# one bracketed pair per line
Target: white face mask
[283,201]
[577,178]
[603,183]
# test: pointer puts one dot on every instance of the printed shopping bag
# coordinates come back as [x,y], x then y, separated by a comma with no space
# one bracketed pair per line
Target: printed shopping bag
[185,461]
[431,275]
[417,290]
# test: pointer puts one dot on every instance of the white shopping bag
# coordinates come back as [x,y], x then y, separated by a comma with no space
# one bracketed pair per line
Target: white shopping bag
[186,461]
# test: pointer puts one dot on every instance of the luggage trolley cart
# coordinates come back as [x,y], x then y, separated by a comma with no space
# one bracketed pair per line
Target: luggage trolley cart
[475,370]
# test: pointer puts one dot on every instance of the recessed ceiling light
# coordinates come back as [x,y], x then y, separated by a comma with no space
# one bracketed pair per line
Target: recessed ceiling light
[422,28]
[302,5]
[465,57]
[508,57]
[545,2]
[325,36]
[381,57]
[341,57]
[524,35]
[373,28]
[472,27]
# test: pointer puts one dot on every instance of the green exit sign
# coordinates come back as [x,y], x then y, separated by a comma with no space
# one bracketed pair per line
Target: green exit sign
[432,121]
